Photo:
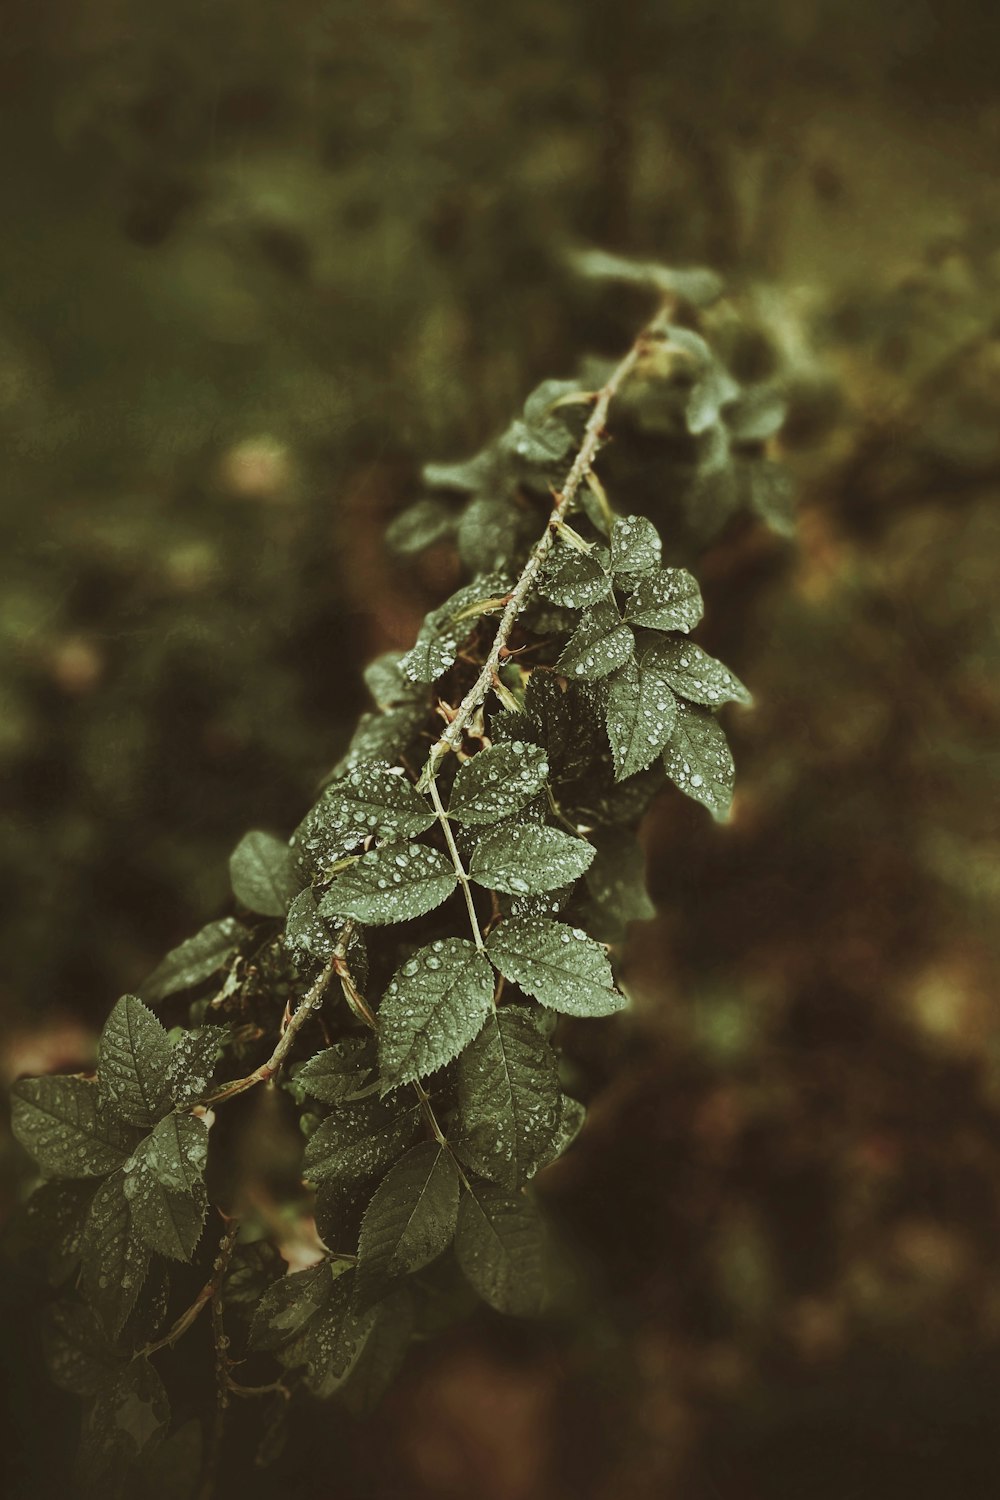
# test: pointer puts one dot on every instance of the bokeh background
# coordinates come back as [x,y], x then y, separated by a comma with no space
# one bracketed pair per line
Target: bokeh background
[259,262]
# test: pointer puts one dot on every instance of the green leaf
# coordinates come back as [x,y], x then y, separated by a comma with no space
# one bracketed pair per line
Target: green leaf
[419,526]
[444,629]
[434,1005]
[192,1063]
[573,579]
[306,934]
[667,600]
[383,1354]
[164,1184]
[698,760]
[289,1304]
[569,717]
[385,735]
[133,1063]
[498,782]
[262,874]
[616,884]
[62,1123]
[78,1354]
[372,800]
[635,545]
[409,1222]
[509,1101]
[521,859]
[115,1260]
[499,1246]
[126,1420]
[695,675]
[600,643]
[393,884]
[194,960]
[361,1139]
[330,1341]
[489,534]
[558,965]
[337,1072]
[387,684]
[54,1219]
[640,715]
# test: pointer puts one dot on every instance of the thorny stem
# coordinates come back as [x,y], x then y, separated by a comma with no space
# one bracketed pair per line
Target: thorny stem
[208,1291]
[456,860]
[593,436]
[306,1008]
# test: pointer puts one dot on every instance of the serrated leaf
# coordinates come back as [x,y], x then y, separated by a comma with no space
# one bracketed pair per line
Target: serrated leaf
[133,1062]
[387,684]
[616,884]
[371,800]
[337,1072]
[640,714]
[114,1259]
[62,1123]
[498,782]
[195,960]
[600,643]
[192,1063]
[635,545]
[164,1185]
[78,1355]
[698,760]
[558,965]
[522,859]
[667,600]
[409,1222]
[445,628]
[332,1339]
[306,934]
[489,534]
[419,526]
[262,874]
[383,1354]
[509,1101]
[434,1005]
[696,676]
[573,579]
[288,1304]
[572,1115]
[393,884]
[384,735]
[252,1269]
[361,1139]
[54,1219]
[569,720]
[499,1246]
[126,1420]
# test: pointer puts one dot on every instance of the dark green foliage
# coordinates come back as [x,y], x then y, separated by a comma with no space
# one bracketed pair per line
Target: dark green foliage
[492,881]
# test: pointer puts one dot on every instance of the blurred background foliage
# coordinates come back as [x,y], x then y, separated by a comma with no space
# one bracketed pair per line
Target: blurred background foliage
[257,264]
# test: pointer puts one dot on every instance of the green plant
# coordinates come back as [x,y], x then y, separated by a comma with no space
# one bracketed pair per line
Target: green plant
[483,827]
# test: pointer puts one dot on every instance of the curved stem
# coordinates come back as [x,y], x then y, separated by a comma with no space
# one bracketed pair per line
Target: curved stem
[456,860]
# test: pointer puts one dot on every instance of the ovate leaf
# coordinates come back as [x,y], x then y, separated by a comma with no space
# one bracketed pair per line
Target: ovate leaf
[616,885]
[262,875]
[667,600]
[288,1305]
[499,1246]
[192,1062]
[63,1124]
[133,1064]
[434,1005]
[361,1139]
[695,675]
[600,643]
[640,715]
[635,545]
[498,782]
[522,859]
[337,1072]
[392,884]
[114,1258]
[330,1341]
[306,934]
[409,1222]
[698,760]
[372,799]
[558,965]
[195,960]
[444,629]
[164,1184]
[574,579]
[509,1101]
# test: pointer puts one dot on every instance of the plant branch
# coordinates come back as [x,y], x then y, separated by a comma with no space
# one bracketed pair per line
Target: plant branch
[456,860]
[306,1008]
[593,436]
